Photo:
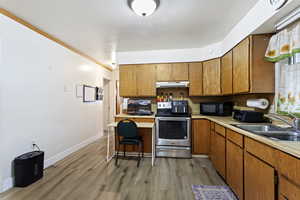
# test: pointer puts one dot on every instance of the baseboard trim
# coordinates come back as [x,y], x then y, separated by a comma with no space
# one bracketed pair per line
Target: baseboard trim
[8,183]
[62,155]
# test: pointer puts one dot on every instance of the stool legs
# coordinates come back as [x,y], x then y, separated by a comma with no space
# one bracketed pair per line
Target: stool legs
[139,156]
[124,148]
[117,156]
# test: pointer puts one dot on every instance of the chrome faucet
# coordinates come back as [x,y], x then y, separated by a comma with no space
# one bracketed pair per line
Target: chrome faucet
[295,124]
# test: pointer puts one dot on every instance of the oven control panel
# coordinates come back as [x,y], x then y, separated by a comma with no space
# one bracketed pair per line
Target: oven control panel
[164,105]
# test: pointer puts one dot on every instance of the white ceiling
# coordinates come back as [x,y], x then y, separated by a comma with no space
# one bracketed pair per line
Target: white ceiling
[99,28]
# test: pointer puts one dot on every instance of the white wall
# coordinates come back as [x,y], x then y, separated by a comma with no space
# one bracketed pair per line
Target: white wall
[256,17]
[173,55]
[37,97]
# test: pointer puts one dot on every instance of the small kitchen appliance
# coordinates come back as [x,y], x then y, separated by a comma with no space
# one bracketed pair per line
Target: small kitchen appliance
[216,108]
[249,116]
[139,107]
[173,130]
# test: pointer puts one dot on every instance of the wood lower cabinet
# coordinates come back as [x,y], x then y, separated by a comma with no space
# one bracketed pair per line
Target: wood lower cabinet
[289,183]
[226,73]
[288,190]
[212,77]
[195,76]
[289,167]
[201,136]
[235,168]
[218,146]
[128,81]
[259,179]
[145,80]
[145,133]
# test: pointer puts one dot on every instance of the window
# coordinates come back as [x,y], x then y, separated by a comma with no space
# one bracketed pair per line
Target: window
[288,88]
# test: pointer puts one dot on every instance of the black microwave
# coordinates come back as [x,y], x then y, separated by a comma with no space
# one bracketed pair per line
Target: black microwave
[216,108]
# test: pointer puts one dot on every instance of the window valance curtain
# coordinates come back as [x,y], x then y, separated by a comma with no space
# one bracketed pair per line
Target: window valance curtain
[288,89]
[284,44]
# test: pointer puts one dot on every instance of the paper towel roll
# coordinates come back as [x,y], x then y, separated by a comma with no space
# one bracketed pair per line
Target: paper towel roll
[258,103]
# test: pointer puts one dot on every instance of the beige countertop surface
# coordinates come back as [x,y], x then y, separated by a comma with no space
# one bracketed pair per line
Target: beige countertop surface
[289,147]
[136,116]
[139,124]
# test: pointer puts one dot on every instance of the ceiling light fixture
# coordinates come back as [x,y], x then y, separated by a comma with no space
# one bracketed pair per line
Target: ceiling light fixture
[143,7]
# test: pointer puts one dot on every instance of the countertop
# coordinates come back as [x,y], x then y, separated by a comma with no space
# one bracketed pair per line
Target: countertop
[136,116]
[139,124]
[289,147]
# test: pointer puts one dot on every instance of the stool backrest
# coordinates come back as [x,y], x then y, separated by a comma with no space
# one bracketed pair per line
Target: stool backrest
[127,129]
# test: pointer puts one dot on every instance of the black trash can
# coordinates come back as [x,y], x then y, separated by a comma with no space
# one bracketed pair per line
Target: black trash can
[28,168]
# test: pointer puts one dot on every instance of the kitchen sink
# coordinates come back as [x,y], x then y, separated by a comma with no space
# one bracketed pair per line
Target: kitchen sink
[260,128]
[271,131]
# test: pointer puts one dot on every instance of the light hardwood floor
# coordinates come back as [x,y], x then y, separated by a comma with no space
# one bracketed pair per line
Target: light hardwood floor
[85,175]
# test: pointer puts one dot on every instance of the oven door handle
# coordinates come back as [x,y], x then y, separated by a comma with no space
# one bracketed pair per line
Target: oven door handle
[173,119]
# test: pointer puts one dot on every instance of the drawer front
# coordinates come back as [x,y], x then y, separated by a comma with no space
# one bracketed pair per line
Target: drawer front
[260,150]
[288,190]
[117,119]
[220,129]
[289,167]
[235,137]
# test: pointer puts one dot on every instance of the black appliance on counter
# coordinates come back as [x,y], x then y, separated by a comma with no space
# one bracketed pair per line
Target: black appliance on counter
[173,129]
[249,116]
[139,107]
[216,108]
[180,107]
[28,168]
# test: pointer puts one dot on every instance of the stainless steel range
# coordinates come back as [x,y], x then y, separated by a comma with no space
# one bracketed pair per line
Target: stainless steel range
[173,130]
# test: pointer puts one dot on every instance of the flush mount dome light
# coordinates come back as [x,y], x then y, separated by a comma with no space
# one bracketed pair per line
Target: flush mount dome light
[143,7]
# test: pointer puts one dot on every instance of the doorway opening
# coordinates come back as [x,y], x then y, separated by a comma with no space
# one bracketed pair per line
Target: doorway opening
[106,106]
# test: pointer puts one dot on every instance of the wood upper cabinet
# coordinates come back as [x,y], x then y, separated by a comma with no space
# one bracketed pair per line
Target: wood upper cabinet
[201,136]
[226,73]
[164,72]
[259,179]
[128,81]
[212,77]
[172,72]
[241,67]
[235,168]
[195,76]
[146,78]
[180,72]
[251,73]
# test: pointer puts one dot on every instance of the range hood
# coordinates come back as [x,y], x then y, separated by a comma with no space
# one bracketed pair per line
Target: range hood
[181,84]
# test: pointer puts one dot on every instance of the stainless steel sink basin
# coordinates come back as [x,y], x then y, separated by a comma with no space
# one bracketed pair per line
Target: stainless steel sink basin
[258,127]
[281,135]
[271,131]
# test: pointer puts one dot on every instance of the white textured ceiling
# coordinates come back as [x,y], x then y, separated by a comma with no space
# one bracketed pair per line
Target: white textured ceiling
[99,28]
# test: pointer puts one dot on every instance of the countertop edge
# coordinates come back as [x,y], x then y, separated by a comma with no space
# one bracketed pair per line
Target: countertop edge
[279,145]
[136,116]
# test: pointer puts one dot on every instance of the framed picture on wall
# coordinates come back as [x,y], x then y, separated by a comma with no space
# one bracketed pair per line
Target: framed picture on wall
[89,93]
